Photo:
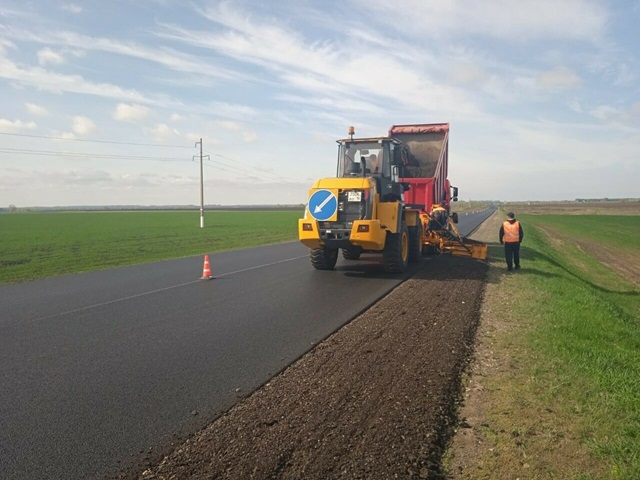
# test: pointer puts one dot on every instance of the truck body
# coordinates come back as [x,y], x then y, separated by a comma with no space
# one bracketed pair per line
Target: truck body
[429,189]
[427,165]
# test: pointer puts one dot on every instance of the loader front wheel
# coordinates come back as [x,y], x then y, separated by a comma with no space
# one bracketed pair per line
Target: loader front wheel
[323,258]
[352,253]
[396,251]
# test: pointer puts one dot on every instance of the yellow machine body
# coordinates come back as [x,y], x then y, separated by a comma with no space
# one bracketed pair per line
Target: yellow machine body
[369,234]
[448,240]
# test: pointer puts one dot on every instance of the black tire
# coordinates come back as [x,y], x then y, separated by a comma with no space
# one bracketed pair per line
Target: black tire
[429,250]
[352,253]
[396,251]
[323,258]
[415,243]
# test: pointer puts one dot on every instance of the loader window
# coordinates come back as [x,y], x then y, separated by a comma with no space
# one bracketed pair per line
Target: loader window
[354,159]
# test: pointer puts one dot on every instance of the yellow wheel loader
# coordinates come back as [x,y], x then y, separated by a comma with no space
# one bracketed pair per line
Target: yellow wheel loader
[362,209]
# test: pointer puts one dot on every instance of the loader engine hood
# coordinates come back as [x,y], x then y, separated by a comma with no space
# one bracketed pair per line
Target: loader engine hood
[341,199]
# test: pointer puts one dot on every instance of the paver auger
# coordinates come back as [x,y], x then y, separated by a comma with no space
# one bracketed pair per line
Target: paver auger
[391,196]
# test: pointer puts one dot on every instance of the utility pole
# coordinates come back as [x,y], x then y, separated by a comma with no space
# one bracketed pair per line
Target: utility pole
[201,184]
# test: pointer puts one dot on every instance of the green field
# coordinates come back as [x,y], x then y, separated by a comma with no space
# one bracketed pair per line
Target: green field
[619,231]
[569,406]
[35,245]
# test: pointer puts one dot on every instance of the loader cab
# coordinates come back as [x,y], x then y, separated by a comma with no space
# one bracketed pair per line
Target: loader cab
[378,158]
[362,159]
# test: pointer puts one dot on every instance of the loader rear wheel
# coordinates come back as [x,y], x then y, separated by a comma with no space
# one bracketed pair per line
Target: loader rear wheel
[415,243]
[323,258]
[352,253]
[396,251]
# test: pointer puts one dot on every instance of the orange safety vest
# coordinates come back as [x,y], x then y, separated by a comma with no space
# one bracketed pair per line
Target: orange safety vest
[511,232]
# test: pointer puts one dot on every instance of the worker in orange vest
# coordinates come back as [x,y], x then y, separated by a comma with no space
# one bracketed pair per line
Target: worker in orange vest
[511,235]
[438,217]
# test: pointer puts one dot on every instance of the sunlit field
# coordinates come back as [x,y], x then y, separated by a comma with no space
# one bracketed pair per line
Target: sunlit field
[35,245]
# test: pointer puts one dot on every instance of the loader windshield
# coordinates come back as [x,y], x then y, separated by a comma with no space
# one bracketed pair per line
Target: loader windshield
[356,159]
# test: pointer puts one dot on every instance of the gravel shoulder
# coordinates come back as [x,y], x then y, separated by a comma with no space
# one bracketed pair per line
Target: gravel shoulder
[377,399]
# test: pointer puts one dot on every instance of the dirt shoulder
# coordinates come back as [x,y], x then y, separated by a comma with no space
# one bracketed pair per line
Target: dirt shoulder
[471,443]
[375,400]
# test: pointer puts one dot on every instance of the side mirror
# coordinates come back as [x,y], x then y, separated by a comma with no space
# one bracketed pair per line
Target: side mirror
[455,194]
[454,217]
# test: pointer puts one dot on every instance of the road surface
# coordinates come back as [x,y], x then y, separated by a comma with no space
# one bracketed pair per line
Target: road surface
[98,368]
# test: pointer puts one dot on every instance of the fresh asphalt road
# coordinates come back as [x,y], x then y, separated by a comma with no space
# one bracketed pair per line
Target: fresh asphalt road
[98,368]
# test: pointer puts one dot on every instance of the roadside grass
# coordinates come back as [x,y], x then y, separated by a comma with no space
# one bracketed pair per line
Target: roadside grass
[622,231]
[36,245]
[588,338]
[565,402]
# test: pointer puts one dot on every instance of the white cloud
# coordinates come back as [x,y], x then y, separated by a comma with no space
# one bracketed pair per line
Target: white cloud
[9,126]
[82,125]
[72,8]
[558,78]
[48,56]
[465,72]
[575,105]
[249,136]
[37,110]
[626,75]
[54,82]
[323,68]
[608,113]
[62,136]
[503,19]
[229,125]
[176,117]
[130,112]
[162,132]
[195,137]
[164,56]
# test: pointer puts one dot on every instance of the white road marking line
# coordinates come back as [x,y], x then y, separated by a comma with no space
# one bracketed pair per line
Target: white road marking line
[259,266]
[137,295]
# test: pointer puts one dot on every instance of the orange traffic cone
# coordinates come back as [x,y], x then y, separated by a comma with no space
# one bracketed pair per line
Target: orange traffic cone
[206,270]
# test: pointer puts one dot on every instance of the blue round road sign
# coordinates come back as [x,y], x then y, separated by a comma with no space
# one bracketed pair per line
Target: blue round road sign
[323,205]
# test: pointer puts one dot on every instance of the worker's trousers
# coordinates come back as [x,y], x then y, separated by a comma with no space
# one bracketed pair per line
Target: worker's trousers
[512,254]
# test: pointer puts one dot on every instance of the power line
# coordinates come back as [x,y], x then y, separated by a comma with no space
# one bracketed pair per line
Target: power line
[94,141]
[285,180]
[236,167]
[54,153]
[251,170]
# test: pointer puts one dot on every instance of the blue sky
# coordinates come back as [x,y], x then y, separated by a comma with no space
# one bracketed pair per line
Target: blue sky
[102,102]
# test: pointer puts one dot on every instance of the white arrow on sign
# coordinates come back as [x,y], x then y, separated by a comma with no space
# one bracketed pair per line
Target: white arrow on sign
[321,206]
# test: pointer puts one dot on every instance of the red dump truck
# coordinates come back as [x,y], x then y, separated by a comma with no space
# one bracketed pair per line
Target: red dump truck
[426,175]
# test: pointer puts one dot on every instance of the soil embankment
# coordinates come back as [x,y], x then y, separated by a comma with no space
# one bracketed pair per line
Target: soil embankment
[376,400]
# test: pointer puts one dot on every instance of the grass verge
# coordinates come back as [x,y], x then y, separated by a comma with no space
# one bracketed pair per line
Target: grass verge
[555,386]
[36,245]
